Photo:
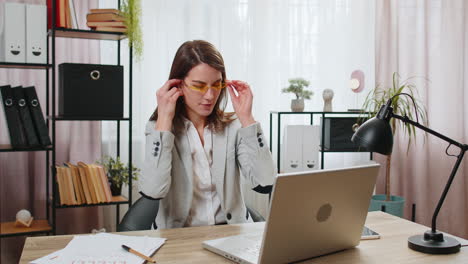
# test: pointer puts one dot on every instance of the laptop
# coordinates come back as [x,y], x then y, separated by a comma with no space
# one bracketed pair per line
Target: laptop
[311,214]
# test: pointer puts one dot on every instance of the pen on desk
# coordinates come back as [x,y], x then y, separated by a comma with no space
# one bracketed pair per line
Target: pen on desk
[138,254]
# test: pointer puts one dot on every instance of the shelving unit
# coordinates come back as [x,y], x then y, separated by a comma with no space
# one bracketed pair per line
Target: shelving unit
[116,200]
[39,226]
[9,229]
[48,225]
[86,34]
[323,115]
[61,118]
[24,149]
[14,65]
[53,118]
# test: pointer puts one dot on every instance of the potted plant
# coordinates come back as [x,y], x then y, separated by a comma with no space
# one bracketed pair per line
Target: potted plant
[403,106]
[297,86]
[117,173]
[131,9]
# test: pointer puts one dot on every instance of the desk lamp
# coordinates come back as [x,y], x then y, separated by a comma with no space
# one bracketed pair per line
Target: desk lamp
[376,135]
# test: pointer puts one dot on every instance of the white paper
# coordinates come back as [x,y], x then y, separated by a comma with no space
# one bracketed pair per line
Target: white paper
[103,248]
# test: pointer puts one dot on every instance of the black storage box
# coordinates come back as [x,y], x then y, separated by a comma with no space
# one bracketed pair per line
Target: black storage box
[90,90]
[338,133]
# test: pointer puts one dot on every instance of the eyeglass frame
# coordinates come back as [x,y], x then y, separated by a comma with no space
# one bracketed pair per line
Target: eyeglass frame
[206,87]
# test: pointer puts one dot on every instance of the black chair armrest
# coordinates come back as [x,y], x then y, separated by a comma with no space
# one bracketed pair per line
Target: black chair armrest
[141,215]
[263,189]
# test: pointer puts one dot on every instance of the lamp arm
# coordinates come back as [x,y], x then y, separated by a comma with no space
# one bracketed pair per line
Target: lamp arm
[463,149]
[430,131]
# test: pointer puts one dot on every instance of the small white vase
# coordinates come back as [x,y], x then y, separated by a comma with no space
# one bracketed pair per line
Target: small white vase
[297,105]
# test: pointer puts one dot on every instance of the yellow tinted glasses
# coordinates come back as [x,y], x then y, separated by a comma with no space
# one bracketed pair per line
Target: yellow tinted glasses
[203,88]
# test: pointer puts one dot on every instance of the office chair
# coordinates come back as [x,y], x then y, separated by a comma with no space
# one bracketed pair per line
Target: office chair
[142,214]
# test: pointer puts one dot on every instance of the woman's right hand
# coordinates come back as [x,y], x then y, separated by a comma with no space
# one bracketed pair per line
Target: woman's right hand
[167,97]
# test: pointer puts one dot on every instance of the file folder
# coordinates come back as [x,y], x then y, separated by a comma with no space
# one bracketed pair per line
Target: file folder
[25,117]
[13,33]
[5,141]
[37,116]
[36,33]
[17,136]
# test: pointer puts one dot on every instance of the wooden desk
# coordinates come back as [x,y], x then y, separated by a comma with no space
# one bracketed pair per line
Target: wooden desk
[183,245]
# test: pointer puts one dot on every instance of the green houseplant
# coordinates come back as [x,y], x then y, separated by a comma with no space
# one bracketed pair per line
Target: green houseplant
[403,106]
[131,9]
[297,86]
[117,173]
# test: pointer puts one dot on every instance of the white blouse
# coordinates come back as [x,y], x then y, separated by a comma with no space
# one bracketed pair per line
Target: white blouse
[206,205]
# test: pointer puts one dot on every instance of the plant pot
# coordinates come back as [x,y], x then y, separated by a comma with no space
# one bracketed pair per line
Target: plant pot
[115,190]
[395,206]
[297,105]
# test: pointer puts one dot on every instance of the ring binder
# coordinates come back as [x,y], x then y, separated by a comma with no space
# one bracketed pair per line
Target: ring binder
[37,116]
[25,117]
[17,136]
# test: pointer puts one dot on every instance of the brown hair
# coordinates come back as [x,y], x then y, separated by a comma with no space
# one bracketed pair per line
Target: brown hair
[189,55]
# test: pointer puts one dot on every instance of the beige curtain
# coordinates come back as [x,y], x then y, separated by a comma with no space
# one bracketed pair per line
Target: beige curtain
[22,174]
[428,39]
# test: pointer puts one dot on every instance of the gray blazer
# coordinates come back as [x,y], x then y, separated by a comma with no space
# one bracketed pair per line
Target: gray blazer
[167,171]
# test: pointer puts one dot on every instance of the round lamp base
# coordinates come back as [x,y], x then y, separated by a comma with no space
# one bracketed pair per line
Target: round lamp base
[434,243]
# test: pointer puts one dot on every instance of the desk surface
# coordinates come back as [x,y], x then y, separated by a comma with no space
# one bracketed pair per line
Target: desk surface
[183,245]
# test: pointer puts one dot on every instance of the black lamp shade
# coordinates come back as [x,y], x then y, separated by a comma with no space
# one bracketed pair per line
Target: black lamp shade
[375,135]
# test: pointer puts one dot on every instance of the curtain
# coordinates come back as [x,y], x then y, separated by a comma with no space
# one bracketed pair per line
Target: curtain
[263,43]
[428,40]
[22,174]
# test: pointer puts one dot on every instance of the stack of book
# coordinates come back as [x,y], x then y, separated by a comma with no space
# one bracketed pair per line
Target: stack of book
[82,184]
[65,14]
[106,20]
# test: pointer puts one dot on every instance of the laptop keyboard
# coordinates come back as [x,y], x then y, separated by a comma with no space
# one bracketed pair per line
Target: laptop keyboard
[254,246]
[254,249]
[240,248]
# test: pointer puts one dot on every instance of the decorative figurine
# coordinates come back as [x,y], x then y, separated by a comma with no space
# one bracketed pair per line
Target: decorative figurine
[327,100]
[23,218]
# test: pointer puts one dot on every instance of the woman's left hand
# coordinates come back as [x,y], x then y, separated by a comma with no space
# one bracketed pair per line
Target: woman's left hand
[242,102]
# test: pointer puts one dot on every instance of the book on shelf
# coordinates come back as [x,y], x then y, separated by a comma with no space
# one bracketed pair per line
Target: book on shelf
[110,20]
[60,185]
[104,10]
[65,14]
[65,186]
[104,182]
[96,183]
[111,29]
[78,186]
[84,171]
[70,189]
[74,18]
[62,13]
[118,24]
[93,181]
[68,15]
[104,17]
[82,184]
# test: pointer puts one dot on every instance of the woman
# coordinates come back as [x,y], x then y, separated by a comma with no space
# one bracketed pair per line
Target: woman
[195,151]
